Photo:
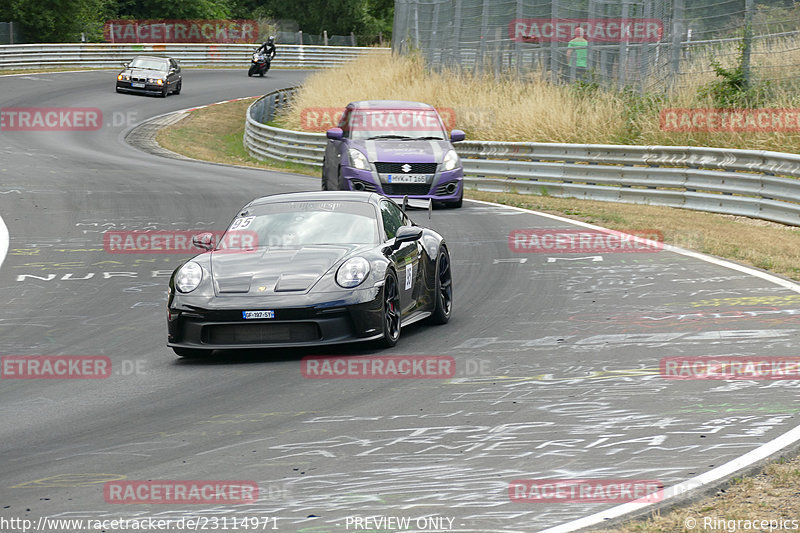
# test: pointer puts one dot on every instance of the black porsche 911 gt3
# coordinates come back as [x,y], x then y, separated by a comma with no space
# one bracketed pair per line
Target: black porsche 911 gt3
[318,268]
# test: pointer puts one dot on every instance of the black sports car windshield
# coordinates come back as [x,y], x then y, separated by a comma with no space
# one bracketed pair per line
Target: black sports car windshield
[314,223]
[148,64]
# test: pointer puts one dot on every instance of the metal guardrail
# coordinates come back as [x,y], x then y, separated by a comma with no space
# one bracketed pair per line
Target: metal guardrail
[752,183]
[107,55]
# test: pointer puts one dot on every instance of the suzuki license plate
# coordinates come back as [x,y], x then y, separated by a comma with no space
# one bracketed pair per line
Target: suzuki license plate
[407,178]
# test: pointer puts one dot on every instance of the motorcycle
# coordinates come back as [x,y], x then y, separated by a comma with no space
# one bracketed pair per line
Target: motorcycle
[259,64]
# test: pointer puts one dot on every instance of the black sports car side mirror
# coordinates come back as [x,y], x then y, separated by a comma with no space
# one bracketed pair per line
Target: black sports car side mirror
[407,234]
[204,241]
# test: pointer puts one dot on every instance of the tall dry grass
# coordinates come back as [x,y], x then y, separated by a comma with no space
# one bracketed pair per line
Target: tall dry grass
[535,110]
[485,108]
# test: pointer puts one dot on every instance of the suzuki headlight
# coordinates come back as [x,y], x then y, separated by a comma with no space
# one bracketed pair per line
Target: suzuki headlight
[358,160]
[353,272]
[451,160]
[255,57]
[189,277]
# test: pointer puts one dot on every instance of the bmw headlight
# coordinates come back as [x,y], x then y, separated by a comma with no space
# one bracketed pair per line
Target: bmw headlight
[358,160]
[353,272]
[189,277]
[123,77]
[157,81]
[451,160]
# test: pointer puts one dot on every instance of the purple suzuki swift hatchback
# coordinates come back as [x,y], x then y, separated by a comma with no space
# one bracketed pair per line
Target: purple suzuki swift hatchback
[394,148]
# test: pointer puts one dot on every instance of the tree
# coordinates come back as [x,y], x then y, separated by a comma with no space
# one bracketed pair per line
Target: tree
[379,18]
[57,20]
[173,9]
[339,17]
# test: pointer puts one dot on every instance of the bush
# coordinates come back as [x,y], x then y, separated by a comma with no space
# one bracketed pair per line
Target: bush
[732,89]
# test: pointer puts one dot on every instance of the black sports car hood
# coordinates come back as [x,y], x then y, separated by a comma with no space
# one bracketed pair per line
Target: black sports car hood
[267,270]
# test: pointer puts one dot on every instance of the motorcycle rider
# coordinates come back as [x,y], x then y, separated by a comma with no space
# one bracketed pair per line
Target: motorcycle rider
[268,48]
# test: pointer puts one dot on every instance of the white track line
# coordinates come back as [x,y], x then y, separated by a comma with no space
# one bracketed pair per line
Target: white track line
[3,241]
[785,283]
[720,473]
[694,484]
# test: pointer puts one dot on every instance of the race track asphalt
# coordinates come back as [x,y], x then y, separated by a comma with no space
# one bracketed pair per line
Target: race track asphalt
[557,354]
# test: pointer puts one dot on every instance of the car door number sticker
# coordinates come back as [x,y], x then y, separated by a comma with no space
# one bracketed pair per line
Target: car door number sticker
[409,275]
[247,315]
[242,223]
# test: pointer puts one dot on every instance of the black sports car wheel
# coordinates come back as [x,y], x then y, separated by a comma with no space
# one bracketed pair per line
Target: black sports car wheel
[165,92]
[178,87]
[189,353]
[444,289]
[391,312]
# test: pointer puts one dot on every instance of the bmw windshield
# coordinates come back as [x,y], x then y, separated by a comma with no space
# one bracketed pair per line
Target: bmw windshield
[148,64]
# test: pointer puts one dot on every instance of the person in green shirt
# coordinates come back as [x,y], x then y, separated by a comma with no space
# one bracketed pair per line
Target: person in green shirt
[577,50]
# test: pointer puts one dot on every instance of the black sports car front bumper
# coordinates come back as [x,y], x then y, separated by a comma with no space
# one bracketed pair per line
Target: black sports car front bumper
[219,324]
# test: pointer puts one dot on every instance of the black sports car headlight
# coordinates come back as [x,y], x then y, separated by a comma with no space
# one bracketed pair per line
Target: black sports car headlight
[189,277]
[353,272]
